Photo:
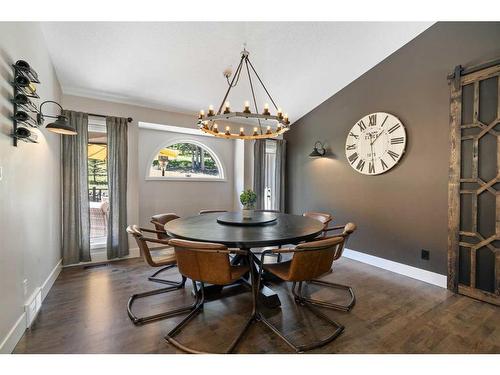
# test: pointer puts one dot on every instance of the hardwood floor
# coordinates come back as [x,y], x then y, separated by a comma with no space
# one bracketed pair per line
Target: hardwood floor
[85,312]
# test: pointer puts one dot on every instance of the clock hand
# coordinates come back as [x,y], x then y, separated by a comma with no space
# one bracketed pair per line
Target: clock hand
[377,137]
[371,148]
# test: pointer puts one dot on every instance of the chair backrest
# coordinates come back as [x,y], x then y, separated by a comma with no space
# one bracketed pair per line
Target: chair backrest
[202,212]
[313,259]
[142,242]
[320,216]
[203,261]
[349,228]
[159,222]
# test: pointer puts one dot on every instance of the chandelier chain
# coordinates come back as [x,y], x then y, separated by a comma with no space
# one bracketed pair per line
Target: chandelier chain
[230,85]
[253,93]
[264,86]
[238,72]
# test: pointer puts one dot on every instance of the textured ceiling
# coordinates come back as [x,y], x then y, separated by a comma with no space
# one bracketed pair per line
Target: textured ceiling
[178,65]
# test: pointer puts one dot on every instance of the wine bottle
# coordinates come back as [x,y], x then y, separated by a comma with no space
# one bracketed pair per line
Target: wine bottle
[21,64]
[24,66]
[32,88]
[21,116]
[22,132]
[21,99]
[21,81]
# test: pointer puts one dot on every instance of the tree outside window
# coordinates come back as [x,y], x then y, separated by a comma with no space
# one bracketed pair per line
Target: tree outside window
[183,160]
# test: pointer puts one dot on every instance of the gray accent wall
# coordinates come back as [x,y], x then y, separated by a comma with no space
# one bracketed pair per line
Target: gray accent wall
[404,210]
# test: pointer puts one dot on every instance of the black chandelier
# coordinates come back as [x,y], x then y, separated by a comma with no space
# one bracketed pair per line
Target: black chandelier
[268,125]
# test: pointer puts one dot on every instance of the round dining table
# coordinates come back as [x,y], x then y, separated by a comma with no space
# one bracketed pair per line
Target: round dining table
[283,229]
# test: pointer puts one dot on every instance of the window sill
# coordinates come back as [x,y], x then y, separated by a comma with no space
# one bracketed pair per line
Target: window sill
[186,179]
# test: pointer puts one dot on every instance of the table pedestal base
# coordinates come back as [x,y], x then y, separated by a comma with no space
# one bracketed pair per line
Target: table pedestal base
[268,297]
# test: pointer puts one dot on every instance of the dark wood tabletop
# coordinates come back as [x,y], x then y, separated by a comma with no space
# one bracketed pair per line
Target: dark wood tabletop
[205,228]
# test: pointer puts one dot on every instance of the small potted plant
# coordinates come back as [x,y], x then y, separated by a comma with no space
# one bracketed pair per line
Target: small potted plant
[248,198]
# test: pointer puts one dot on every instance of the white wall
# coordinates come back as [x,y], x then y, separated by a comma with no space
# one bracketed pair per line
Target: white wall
[185,198]
[136,172]
[30,238]
[239,171]
[138,114]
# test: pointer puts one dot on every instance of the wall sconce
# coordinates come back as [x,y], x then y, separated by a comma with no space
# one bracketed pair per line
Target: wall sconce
[318,151]
[60,126]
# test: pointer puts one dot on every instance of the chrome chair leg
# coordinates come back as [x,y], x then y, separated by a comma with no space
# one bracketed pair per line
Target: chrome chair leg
[253,316]
[316,344]
[299,348]
[299,296]
[304,348]
[200,300]
[170,337]
[147,319]
[164,281]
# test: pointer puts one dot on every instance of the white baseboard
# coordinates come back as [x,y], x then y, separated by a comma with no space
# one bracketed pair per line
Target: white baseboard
[400,268]
[16,332]
[100,256]
[47,284]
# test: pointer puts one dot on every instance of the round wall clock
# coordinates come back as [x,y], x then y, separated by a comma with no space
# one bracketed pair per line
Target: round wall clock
[375,143]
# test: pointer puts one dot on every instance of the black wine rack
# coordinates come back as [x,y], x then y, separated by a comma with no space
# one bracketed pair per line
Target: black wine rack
[25,83]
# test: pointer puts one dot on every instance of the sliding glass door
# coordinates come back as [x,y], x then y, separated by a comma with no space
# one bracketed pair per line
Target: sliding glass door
[98,183]
[270,176]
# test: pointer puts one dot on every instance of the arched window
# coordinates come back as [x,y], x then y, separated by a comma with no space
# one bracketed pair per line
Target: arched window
[186,160]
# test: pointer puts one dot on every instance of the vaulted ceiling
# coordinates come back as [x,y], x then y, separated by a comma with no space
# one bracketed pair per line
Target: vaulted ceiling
[178,66]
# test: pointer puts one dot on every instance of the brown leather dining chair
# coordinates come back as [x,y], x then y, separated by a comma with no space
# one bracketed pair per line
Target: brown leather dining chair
[168,260]
[310,261]
[202,212]
[324,218]
[159,222]
[204,262]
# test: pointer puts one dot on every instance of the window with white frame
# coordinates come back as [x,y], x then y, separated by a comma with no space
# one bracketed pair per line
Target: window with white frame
[186,160]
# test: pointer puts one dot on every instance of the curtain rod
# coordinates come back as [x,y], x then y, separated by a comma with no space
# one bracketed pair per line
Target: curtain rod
[129,119]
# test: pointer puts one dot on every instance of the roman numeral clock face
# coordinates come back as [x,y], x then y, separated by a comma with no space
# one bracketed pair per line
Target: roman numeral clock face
[375,143]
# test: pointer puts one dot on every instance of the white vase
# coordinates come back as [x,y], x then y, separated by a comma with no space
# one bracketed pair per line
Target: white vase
[247,213]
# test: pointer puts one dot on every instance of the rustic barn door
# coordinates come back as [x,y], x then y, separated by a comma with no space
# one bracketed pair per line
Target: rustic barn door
[474,187]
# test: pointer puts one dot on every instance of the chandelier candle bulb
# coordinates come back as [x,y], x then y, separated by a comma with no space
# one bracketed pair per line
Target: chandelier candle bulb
[279,113]
[255,131]
[242,131]
[228,130]
[227,107]
[215,128]
[266,109]
[247,107]
[210,110]
[268,130]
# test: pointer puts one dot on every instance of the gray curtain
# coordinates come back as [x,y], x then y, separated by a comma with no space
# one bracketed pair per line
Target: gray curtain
[259,171]
[75,194]
[279,182]
[117,241]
